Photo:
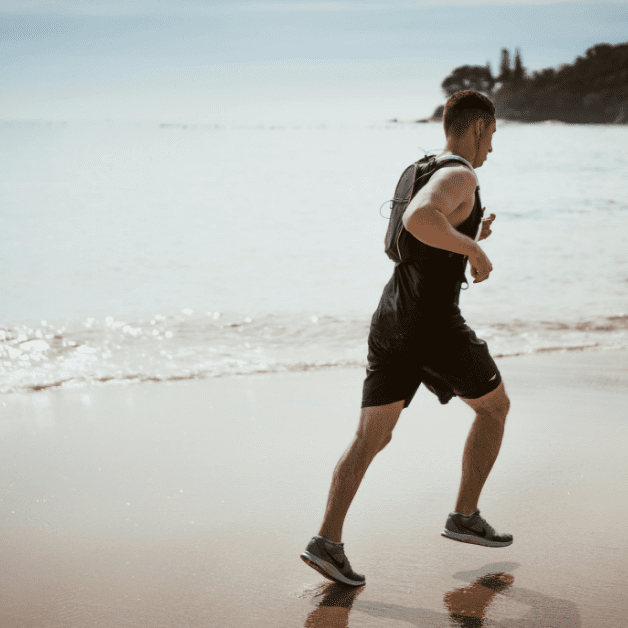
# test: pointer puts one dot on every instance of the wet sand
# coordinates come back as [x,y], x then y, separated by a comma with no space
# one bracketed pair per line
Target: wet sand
[188,504]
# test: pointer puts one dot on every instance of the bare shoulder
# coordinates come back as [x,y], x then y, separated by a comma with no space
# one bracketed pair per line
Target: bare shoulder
[454,178]
[449,189]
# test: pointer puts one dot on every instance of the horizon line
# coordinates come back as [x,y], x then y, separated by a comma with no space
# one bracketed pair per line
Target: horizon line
[193,7]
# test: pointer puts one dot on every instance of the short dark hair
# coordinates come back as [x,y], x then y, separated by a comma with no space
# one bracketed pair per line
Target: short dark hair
[464,108]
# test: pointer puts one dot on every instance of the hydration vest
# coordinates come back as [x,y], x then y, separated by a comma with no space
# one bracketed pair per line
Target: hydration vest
[400,244]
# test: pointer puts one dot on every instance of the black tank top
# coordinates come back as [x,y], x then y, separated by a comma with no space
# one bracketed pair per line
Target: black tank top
[424,290]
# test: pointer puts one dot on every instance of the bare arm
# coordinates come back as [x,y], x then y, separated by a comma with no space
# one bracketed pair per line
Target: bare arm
[429,216]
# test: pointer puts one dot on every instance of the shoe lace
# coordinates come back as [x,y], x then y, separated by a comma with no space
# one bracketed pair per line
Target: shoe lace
[487,526]
[342,554]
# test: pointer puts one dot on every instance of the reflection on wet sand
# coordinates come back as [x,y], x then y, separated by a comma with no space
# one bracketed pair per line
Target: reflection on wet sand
[467,606]
[333,606]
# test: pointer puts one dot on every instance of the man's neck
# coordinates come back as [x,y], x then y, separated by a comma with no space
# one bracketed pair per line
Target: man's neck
[461,149]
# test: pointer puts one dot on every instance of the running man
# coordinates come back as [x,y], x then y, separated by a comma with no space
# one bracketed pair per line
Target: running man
[418,335]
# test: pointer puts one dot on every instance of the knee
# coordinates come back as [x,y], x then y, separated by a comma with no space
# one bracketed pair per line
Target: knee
[385,441]
[497,411]
[372,444]
[505,406]
[376,426]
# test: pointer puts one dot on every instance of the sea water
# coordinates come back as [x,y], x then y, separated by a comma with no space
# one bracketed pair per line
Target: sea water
[147,252]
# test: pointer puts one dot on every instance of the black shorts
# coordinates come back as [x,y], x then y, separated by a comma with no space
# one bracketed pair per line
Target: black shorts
[449,363]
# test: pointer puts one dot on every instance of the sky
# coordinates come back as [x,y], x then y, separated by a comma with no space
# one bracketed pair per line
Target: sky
[257,61]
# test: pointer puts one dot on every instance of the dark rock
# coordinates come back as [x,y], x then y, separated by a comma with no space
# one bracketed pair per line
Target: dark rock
[437,116]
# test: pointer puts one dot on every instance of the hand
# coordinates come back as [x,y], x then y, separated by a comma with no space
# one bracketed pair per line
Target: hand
[486,227]
[481,266]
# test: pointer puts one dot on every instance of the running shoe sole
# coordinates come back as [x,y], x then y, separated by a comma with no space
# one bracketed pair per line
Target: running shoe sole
[474,540]
[328,570]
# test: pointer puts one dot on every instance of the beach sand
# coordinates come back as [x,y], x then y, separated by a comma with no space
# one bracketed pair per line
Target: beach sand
[188,504]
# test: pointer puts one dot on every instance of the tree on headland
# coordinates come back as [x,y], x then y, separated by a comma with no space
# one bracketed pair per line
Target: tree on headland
[518,71]
[504,67]
[477,77]
[593,89]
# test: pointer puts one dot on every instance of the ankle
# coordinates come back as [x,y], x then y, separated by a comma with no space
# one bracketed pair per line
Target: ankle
[332,538]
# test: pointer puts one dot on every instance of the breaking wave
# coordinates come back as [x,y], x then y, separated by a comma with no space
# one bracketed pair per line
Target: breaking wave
[190,345]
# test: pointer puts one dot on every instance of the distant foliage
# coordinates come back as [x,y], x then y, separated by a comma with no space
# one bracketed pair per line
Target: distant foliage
[505,70]
[592,89]
[477,77]
[518,71]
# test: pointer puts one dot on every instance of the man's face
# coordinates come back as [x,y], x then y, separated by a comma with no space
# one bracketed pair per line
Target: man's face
[486,143]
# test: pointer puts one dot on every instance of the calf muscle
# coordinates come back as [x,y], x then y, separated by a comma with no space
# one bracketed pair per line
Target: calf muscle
[373,434]
[482,446]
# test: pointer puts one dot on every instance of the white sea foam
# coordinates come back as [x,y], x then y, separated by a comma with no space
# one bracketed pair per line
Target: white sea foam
[198,346]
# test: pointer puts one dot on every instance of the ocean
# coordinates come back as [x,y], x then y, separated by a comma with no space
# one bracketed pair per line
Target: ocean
[135,252]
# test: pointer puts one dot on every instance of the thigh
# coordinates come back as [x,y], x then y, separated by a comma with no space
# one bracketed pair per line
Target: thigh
[392,374]
[377,422]
[463,361]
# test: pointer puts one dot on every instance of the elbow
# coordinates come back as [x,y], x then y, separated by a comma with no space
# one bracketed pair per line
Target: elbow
[414,220]
[421,223]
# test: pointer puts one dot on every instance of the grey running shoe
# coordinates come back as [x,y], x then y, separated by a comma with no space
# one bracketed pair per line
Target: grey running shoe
[474,529]
[329,560]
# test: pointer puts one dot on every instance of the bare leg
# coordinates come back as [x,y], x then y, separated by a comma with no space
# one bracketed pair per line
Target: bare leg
[482,446]
[374,433]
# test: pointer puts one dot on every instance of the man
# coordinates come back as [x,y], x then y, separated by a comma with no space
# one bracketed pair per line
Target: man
[418,335]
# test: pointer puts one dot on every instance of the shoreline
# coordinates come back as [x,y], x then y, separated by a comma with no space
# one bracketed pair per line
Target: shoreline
[72,384]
